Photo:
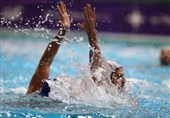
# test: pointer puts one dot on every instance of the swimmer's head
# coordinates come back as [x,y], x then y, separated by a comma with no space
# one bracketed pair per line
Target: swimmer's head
[114,65]
[165,56]
[116,68]
[117,74]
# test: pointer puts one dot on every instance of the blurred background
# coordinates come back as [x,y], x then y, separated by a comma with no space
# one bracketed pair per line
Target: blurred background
[120,16]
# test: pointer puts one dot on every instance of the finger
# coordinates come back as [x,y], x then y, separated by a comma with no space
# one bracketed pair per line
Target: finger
[62,6]
[61,23]
[85,14]
[80,26]
[65,9]
[59,10]
[91,11]
[88,10]
[94,12]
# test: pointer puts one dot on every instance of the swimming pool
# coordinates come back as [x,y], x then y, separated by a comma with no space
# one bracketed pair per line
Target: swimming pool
[148,84]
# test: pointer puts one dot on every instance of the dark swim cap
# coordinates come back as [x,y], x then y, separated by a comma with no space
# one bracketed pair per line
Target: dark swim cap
[45,89]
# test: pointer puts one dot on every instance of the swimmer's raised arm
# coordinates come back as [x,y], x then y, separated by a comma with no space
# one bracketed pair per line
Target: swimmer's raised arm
[43,69]
[89,27]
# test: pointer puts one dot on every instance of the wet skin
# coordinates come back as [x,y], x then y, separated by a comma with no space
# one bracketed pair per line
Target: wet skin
[118,78]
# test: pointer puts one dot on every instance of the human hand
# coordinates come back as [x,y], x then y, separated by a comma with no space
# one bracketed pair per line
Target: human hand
[88,25]
[65,20]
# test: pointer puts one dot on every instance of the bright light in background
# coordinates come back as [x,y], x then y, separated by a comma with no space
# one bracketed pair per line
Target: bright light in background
[136,19]
[13,13]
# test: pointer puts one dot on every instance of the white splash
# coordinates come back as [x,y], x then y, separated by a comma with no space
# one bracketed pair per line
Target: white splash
[84,90]
[166,86]
[46,18]
[19,90]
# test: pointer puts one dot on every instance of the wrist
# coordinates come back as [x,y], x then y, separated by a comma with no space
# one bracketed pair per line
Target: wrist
[59,37]
[62,31]
[91,33]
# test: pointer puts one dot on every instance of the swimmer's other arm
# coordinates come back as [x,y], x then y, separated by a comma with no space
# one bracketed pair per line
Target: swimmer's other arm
[43,68]
[89,27]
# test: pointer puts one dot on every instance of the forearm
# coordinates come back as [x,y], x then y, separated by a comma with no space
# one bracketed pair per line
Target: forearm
[49,53]
[52,49]
[43,69]
[92,37]
[95,52]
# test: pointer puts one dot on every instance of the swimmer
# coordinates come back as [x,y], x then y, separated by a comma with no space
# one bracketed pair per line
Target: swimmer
[115,73]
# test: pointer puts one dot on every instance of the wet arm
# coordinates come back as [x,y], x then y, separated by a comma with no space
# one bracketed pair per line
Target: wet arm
[43,68]
[89,27]
[95,52]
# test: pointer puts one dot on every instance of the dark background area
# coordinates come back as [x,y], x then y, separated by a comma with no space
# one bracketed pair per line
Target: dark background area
[130,16]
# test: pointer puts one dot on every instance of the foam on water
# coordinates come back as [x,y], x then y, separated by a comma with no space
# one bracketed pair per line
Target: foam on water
[166,86]
[85,91]
[18,90]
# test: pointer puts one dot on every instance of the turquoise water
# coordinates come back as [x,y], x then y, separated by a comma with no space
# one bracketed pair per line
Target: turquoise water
[148,84]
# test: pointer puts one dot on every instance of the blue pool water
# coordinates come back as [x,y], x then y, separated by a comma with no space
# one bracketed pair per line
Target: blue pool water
[147,89]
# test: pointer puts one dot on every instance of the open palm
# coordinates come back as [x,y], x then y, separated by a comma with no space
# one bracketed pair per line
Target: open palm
[65,20]
[89,19]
